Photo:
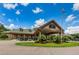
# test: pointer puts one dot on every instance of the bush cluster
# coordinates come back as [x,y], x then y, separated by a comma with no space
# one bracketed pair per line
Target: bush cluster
[3,36]
[75,36]
[41,39]
[53,39]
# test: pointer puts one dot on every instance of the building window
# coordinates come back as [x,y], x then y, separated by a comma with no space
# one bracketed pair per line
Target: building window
[52,26]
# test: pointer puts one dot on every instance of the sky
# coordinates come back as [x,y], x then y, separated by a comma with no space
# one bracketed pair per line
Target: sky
[32,15]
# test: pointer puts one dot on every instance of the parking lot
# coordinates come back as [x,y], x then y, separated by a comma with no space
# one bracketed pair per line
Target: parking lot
[9,48]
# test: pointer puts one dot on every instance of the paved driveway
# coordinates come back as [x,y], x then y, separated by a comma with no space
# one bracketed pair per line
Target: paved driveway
[9,48]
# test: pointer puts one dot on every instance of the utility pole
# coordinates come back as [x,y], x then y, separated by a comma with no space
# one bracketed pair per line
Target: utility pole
[63,15]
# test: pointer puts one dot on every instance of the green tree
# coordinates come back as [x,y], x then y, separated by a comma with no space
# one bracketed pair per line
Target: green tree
[2,28]
[21,29]
[3,36]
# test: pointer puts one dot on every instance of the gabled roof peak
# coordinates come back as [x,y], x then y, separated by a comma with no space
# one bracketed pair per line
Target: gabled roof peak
[49,23]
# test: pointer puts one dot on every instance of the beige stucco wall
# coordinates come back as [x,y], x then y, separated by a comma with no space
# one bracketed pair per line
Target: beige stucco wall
[11,36]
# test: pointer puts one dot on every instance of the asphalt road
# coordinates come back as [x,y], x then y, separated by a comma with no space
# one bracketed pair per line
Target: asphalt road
[9,48]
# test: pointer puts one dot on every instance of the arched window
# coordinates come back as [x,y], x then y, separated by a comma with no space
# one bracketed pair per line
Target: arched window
[52,26]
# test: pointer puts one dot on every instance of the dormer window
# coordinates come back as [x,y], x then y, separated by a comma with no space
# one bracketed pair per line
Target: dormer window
[52,26]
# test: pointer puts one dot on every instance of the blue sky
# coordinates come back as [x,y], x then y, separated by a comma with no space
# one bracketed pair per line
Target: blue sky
[29,15]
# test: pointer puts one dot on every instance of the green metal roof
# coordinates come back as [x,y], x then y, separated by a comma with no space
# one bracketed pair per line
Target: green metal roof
[25,31]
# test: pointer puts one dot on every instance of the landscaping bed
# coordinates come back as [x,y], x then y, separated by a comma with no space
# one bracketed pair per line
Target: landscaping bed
[69,44]
[52,41]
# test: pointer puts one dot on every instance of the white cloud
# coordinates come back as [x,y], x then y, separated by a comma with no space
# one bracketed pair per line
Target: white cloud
[11,26]
[24,4]
[9,5]
[24,28]
[75,6]
[75,22]
[3,14]
[37,10]
[9,20]
[18,12]
[72,30]
[70,18]
[38,23]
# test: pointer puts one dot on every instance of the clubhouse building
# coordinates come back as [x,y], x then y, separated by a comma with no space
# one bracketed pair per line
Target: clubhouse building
[50,28]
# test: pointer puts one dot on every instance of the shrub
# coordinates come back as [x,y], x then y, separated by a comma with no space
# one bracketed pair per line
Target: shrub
[53,39]
[50,39]
[3,36]
[37,41]
[41,39]
[75,36]
[67,38]
[57,39]
[71,37]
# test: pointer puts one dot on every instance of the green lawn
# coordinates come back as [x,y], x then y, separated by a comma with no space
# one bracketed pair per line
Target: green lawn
[70,44]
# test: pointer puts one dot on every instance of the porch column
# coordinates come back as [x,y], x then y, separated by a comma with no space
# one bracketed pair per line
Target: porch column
[24,36]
